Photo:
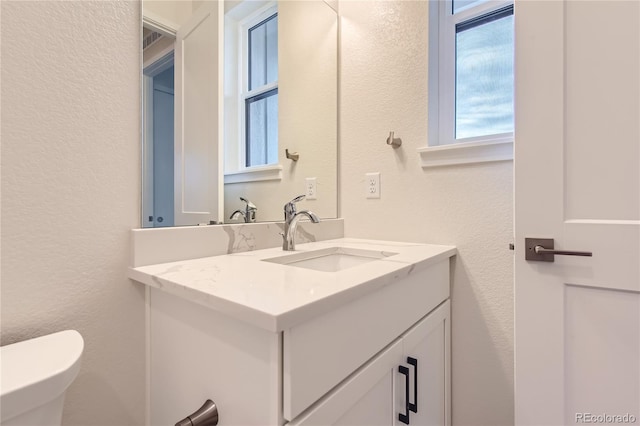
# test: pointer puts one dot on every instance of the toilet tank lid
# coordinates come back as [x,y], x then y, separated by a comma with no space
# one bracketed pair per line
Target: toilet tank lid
[43,367]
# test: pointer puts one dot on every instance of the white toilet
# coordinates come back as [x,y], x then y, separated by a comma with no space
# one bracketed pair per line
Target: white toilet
[35,376]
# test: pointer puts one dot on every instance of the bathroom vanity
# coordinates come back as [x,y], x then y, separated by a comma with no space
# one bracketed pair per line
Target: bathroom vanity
[339,332]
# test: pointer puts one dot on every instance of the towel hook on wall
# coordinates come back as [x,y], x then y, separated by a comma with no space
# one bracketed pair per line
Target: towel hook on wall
[394,142]
[291,156]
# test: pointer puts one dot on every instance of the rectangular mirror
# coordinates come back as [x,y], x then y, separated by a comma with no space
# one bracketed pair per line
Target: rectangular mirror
[239,110]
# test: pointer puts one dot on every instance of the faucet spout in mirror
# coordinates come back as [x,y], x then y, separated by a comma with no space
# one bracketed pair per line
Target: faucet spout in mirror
[237,213]
[249,213]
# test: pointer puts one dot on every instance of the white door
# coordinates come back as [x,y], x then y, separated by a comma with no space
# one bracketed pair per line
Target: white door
[198,121]
[577,162]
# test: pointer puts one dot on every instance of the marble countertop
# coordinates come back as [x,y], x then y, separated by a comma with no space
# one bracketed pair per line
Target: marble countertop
[276,297]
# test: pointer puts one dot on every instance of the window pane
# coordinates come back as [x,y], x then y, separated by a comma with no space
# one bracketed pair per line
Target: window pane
[461,4]
[263,53]
[257,56]
[272,129]
[484,76]
[262,129]
[272,49]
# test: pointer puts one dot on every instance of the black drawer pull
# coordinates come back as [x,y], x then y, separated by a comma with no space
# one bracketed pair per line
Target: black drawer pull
[404,418]
[414,407]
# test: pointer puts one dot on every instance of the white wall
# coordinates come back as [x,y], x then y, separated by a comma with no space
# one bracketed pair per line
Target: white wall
[383,88]
[71,193]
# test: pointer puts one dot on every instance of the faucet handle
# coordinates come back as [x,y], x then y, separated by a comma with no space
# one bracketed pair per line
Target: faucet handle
[250,205]
[298,198]
[290,207]
[249,211]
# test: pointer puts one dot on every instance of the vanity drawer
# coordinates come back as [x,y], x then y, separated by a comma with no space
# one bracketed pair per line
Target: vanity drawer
[315,358]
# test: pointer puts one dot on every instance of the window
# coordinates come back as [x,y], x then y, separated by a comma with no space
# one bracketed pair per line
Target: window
[470,81]
[260,94]
[251,93]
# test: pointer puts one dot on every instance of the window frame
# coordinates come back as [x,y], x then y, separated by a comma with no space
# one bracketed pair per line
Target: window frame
[443,148]
[245,93]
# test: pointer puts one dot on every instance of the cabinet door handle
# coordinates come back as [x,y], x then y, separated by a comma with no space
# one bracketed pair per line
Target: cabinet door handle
[404,418]
[414,407]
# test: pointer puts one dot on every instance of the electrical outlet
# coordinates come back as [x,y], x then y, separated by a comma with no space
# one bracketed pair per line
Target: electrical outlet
[372,185]
[310,188]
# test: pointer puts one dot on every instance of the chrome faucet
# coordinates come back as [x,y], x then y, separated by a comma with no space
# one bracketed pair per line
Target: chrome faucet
[291,218]
[249,213]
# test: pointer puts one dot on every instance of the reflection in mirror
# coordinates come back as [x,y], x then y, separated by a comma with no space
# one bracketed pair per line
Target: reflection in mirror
[228,89]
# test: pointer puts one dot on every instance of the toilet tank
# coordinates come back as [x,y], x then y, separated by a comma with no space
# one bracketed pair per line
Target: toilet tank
[35,375]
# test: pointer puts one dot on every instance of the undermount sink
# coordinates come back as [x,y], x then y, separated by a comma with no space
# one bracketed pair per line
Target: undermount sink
[331,259]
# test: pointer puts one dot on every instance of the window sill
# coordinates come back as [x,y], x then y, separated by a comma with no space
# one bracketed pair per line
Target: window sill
[466,153]
[254,174]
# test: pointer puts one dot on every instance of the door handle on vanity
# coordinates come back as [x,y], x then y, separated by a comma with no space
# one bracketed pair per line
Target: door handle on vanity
[404,418]
[413,407]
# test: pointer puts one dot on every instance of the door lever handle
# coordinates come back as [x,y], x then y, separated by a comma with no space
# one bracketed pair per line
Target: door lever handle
[542,250]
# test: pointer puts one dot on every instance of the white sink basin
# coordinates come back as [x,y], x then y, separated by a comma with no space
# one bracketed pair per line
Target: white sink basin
[331,259]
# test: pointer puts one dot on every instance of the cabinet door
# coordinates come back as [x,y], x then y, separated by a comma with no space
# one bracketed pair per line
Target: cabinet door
[365,399]
[322,352]
[426,357]
[197,354]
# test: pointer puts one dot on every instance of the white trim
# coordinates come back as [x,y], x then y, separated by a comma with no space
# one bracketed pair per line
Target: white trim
[254,174]
[147,150]
[160,62]
[466,153]
[433,98]
[260,90]
[474,10]
[445,58]
[147,354]
[622,222]
[159,24]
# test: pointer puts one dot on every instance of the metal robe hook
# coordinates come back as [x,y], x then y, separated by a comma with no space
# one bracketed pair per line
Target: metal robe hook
[293,156]
[394,142]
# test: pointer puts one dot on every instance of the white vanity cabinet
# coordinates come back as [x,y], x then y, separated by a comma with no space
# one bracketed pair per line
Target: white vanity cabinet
[329,362]
[377,393]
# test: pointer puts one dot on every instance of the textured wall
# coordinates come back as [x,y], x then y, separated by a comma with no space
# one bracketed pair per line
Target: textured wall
[70,193]
[383,88]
